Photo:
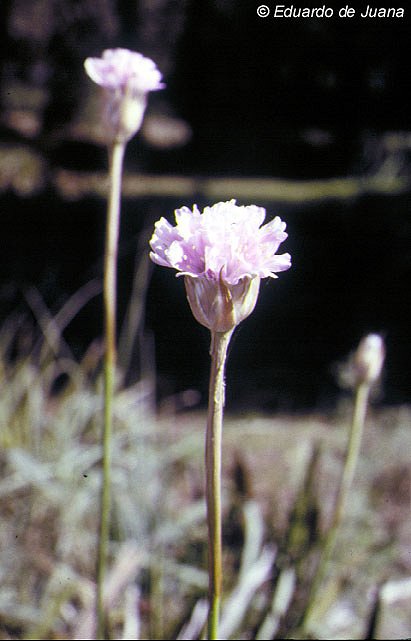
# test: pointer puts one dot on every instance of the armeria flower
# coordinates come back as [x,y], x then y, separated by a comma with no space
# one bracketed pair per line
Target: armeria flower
[127,77]
[223,253]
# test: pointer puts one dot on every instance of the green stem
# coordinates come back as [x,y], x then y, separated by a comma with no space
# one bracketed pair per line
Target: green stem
[218,352]
[351,459]
[116,155]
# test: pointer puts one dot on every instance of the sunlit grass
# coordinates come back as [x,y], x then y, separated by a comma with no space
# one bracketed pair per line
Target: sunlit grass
[50,413]
[273,510]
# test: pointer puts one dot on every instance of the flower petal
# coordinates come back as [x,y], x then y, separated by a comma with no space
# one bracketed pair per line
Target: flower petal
[225,240]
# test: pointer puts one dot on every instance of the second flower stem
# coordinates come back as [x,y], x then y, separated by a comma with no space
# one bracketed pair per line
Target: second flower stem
[116,155]
[350,464]
[218,352]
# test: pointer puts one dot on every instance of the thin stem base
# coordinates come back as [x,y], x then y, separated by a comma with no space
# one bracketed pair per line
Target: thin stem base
[218,352]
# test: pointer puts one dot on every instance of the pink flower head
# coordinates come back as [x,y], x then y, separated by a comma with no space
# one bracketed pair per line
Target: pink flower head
[225,241]
[121,69]
[223,253]
[127,77]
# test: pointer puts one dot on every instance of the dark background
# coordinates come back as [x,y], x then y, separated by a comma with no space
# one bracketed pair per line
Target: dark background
[297,99]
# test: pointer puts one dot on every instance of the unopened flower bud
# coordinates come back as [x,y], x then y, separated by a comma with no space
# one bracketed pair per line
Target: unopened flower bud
[369,359]
[218,305]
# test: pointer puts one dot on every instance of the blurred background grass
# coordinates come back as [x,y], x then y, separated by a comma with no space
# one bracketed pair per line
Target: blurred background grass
[280,477]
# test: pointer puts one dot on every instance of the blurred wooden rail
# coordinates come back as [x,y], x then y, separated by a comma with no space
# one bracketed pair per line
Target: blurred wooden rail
[27,173]
[75,185]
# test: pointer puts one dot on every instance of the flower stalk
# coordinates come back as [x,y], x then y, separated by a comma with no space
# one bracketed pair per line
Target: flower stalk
[367,366]
[350,464]
[116,155]
[126,78]
[218,353]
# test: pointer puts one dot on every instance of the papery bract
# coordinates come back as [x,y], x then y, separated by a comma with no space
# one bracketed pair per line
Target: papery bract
[220,306]
[127,77]
[223,253]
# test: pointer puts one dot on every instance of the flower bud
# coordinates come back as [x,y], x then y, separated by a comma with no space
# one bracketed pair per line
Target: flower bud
[369,359]
[218,305]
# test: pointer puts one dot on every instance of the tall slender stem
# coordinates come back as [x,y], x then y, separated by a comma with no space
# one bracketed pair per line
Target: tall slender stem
[116,155]
[351,458]
[218,352]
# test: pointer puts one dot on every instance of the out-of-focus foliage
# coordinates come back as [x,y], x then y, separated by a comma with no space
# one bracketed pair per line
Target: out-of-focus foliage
[50,422]
[280,478]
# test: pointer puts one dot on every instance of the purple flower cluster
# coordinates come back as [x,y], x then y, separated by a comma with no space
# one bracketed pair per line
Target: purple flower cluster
[126,77]
[125,70]
[225,242]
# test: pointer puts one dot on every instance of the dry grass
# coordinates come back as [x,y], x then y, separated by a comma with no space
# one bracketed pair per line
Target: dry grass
[280,477]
